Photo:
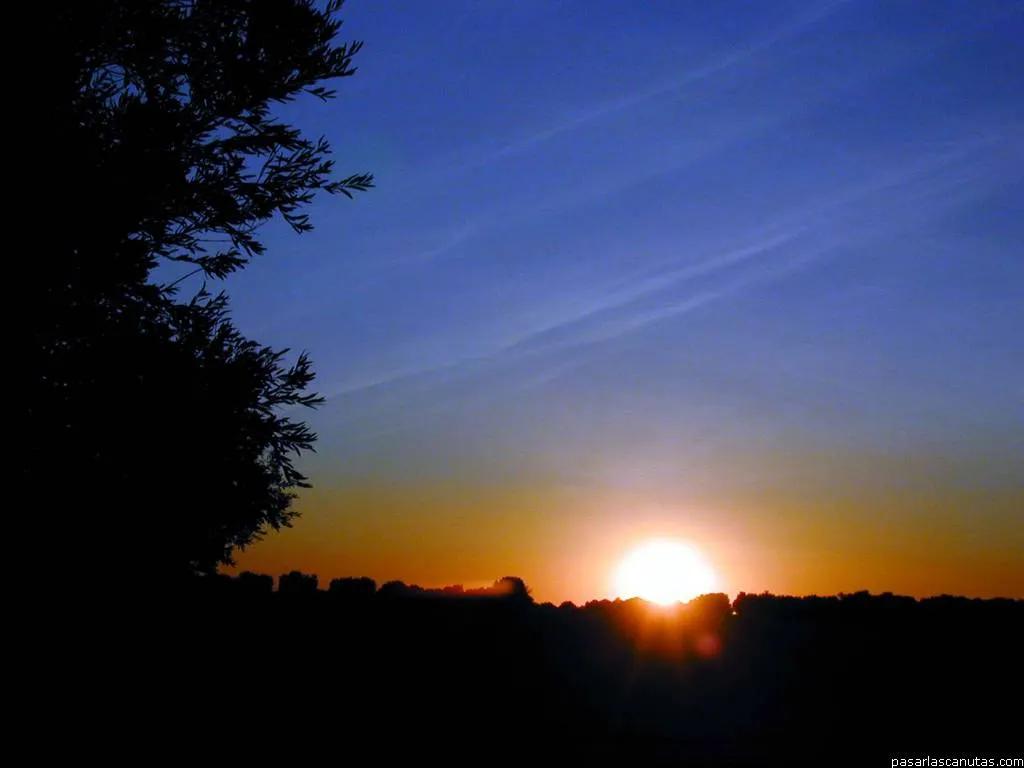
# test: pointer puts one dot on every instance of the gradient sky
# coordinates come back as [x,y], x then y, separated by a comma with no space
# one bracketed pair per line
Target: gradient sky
[748,274]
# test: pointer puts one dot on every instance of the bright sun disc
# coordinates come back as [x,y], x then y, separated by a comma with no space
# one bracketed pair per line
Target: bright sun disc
[664,572]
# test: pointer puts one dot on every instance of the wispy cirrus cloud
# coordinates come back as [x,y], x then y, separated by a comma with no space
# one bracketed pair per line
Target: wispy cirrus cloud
[610,308]
[716,65]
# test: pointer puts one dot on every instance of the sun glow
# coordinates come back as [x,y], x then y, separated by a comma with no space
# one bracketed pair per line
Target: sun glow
[664,571]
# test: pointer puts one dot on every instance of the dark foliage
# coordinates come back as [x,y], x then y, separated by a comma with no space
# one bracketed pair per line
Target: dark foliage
[297,583]
[255,583]
[157,428]
[353,588]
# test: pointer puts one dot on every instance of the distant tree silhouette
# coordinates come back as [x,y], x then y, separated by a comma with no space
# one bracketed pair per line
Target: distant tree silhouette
[255,583]
[513,588]
[156,412]
[711,609]
[358,588]
[395,589]
[297,583]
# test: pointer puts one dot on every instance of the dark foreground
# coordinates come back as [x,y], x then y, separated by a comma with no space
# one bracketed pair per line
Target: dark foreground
[357,677]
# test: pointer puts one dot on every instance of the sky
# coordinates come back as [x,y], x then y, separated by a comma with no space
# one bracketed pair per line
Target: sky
[747,275]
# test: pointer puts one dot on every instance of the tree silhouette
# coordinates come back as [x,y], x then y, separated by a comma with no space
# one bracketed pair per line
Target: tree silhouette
[152,411]
[361,588]
[297,583]
[513,588]
[256,583]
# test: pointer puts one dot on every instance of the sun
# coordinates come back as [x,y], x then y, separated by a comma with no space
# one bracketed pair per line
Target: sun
[664,571]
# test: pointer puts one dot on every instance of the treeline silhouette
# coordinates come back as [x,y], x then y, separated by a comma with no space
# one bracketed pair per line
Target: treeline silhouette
[395,672]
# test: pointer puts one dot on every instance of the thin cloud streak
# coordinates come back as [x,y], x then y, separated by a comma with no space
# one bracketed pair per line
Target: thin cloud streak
[830,216]
[598,112]
[710,142]
[506,215]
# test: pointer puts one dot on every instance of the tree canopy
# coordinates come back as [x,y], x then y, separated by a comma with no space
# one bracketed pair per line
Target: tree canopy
[156,428]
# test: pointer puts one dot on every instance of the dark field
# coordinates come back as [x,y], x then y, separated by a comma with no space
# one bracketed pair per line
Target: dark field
[360,676]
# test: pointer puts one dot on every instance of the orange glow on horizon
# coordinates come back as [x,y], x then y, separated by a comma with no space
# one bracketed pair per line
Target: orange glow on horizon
[565,542]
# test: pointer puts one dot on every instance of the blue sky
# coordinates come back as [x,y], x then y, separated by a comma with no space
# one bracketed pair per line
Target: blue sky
[689,250]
